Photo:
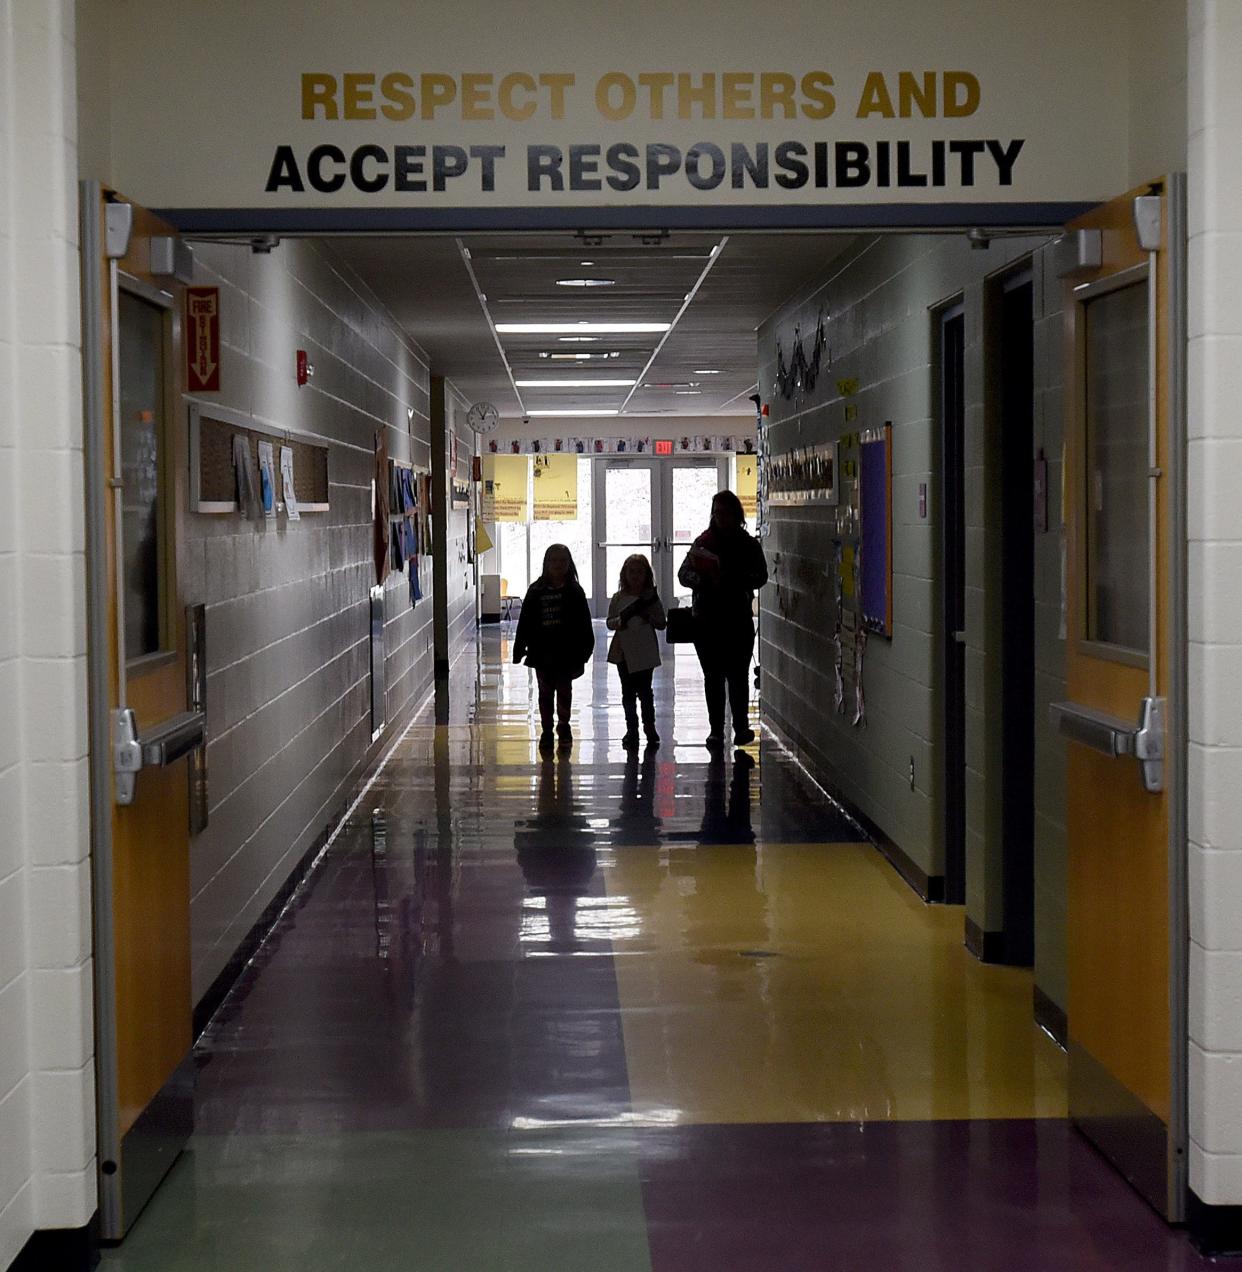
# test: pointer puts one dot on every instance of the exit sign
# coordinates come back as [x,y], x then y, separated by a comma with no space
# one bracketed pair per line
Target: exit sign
[664,447]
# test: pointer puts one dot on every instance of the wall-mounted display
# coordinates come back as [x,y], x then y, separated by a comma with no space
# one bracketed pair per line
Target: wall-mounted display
[875,482]
[224,463]
[807,475]
[631,445]
[802,372]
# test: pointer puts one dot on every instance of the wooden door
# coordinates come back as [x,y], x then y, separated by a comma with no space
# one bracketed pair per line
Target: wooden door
[1117,603]
[136,461]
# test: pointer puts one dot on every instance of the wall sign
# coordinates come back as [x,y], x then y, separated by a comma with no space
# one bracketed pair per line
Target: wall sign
[556,487]
[202,339]
[704,108]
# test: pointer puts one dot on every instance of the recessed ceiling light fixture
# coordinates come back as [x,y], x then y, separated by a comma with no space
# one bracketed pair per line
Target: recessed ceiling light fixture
[573,384]
[578,357]
[578,328]
[591,412]
[586,282]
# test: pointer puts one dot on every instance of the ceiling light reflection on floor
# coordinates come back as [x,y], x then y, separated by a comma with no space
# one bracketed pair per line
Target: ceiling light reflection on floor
[631,1117]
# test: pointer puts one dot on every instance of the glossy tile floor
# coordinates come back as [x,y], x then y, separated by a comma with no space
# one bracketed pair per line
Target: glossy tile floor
[610,1011]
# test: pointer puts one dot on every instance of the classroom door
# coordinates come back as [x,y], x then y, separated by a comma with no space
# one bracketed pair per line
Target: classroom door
[1122,946]
[141,716]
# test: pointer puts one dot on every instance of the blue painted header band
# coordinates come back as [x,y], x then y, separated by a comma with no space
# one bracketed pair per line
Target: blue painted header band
[873,216]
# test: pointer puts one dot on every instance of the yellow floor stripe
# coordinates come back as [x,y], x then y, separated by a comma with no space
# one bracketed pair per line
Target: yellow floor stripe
[806,982]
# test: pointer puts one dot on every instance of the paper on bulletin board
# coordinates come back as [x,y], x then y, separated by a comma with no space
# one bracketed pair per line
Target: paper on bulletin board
[505,482]
[286,483]
[847,571]
[747,484]
[556,487]
[267,479]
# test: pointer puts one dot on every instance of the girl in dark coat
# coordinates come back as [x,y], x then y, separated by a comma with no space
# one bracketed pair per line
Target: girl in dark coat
[724,568]
[555,637]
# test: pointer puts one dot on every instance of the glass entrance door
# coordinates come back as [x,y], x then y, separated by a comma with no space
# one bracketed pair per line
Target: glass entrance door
[690,485]
[628,519]
[654,506]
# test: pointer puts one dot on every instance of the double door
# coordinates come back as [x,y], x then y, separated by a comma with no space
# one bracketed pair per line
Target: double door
[1125,673]
[146,679]
[656,507]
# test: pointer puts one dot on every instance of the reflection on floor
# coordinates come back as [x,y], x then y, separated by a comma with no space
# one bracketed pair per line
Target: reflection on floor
[599,1010]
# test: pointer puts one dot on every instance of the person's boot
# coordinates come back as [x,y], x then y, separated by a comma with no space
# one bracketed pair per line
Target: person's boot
[715,735]
[564,735]
[629,739]
[649,729]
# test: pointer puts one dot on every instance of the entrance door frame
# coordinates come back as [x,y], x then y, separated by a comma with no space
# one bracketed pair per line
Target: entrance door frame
[664,552]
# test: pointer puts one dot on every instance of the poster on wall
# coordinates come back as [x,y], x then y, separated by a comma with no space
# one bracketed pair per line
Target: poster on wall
[286,483]
[267,479]
[505,482]
[875,517]
[556,487]
[746,485]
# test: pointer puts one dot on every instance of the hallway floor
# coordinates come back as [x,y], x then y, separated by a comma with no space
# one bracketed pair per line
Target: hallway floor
[608,1011]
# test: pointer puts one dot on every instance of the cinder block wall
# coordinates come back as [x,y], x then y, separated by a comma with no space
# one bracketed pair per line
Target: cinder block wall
[1215,560]
[881,303]
[47,1079]
[288,650]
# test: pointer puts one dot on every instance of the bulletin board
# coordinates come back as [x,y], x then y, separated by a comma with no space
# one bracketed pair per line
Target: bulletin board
[875,482]
[213,483]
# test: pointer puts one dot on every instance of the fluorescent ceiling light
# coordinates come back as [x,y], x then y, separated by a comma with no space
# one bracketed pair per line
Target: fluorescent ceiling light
[573,384]
[707,373]
[578,328]
[592,412]
[689,393]
[586,282]
[578,340]
[578,357]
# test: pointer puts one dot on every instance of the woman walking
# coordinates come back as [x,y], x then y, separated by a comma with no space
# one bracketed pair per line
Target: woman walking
[555,637]
[724,568]
[635,615]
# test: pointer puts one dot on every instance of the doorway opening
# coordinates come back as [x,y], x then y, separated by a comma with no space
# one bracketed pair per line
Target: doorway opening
[1016,377]
[953,598]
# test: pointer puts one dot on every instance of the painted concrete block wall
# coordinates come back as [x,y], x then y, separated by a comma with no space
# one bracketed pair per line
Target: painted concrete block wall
[880,303]
[1158,89]
[288,651]
[1215,568]
[461,591]
[47,1168]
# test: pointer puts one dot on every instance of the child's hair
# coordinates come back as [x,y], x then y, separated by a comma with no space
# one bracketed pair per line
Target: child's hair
[648,582]
[572,574]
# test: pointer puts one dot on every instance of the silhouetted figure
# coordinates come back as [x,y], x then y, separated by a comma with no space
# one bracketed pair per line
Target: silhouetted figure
[724,568]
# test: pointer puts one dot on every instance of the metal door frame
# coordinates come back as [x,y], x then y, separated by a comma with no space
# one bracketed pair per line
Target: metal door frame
[952,513]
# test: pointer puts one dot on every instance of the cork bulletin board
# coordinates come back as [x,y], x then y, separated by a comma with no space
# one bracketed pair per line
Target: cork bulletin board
[213,486]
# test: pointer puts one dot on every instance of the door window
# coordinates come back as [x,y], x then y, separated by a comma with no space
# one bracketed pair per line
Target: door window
[143,540]
[694,487]
[627,517]
[1116,383]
